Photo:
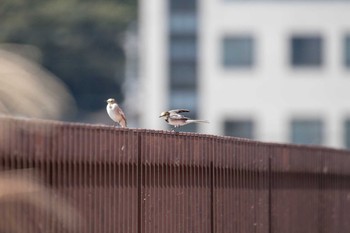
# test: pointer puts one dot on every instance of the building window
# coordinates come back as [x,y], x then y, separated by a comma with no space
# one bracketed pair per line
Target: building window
[183,22]
[180,5]
[237,51]
[306,51]
[347,51]
[183,98]
[182,74]
[239,128]
[307,131]
[183,48]
[347,134]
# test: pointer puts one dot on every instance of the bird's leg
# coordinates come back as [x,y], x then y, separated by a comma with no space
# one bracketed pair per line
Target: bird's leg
[173,130]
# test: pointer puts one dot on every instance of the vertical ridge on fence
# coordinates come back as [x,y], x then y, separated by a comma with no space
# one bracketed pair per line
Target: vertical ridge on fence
[269,205]
[140,183]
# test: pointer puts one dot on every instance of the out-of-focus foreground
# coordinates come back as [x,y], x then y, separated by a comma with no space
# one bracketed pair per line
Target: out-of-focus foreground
[27,205]
[27,90]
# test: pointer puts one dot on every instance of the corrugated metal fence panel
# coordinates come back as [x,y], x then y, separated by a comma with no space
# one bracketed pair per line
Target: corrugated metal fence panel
[93,170]
[175,183]
[335,191]
[294,190]
[62,177]
[309,189]
[240,186]
[100,177]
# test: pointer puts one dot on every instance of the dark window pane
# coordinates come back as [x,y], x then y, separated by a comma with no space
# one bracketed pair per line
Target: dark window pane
[347,134]
[183,48]
[239,128]
[183,98]
[306,51]
[347,51]
[183,74]
[182,4]
[307,131]
[237,51]
[184,22]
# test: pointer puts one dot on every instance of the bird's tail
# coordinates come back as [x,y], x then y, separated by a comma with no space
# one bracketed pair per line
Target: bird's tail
[197,121]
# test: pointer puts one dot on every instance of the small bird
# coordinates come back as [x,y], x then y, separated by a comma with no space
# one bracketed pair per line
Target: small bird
[174,118]
[115,112]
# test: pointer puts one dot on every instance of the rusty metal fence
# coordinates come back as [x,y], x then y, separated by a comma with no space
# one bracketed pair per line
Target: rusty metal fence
[138,181]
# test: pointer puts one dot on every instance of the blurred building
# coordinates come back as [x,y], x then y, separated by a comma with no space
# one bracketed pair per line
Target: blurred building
[266,70]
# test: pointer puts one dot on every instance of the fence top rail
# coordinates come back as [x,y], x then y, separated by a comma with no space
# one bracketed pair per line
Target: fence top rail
[21,121]
[65,141]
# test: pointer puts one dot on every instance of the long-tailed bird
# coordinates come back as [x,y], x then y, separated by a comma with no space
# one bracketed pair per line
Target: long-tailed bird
[174,118]
[116,113]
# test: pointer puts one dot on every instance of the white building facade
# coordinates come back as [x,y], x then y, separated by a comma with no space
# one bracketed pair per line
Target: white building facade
[268,70]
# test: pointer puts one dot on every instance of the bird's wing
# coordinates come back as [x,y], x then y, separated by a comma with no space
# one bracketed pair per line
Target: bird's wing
[120,111]
[175,111]
[178,117]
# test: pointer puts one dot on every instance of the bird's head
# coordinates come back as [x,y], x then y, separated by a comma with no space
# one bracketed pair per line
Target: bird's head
[111,101]
[164,115]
